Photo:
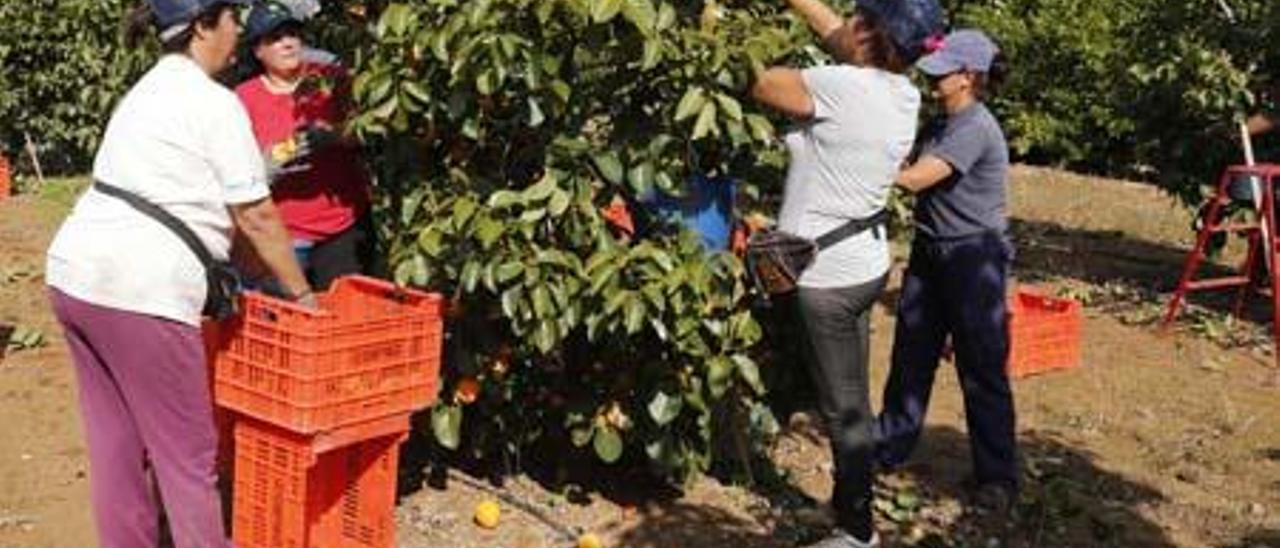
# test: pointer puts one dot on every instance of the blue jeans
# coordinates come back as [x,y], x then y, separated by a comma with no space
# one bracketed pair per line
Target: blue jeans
[953,287]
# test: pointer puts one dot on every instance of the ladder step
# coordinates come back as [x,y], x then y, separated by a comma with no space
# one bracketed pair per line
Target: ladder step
[1234,227]
[1218,283]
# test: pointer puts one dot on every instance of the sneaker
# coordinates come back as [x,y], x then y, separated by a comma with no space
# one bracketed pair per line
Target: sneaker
[994,499]
[842,539]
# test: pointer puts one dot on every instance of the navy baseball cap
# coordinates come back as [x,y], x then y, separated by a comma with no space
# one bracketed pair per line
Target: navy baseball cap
[967,49]
[173,16]
[265,18]
[909,23]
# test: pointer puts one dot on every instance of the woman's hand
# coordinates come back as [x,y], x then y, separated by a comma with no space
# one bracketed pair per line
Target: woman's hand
[821,18]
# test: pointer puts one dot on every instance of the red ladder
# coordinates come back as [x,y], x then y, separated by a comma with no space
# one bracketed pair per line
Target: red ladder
[1262,229]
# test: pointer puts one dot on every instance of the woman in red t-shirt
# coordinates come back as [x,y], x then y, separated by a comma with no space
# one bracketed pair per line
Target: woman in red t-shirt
[298,103]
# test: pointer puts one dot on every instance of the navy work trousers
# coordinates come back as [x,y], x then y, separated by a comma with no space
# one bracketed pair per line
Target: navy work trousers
[956,288]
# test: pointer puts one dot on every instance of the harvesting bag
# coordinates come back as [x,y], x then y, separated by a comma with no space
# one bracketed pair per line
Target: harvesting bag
[775,258]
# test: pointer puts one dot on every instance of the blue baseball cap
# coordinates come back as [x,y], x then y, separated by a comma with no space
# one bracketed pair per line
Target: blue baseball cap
[967,49]
[265,18]
[909,23]
[174,16]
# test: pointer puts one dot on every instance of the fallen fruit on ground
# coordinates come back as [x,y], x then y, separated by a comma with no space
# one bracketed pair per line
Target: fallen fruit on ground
[590,540]
[487,514]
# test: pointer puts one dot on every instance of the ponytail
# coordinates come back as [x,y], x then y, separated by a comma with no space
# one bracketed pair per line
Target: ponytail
[989,83]
[138,25]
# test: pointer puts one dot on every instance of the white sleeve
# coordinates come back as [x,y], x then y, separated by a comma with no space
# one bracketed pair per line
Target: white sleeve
[234,154]
[830,87]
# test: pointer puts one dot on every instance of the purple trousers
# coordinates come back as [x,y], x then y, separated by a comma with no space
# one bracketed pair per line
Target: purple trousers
[146,407]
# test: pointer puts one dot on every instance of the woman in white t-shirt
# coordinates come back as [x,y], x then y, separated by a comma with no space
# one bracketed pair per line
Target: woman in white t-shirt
[856,123]
[129,293]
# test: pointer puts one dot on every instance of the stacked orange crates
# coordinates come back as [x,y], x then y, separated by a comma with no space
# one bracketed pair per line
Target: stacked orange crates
[1044,333]
[321,400]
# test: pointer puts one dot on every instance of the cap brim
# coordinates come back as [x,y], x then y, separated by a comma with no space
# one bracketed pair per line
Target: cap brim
[938,64]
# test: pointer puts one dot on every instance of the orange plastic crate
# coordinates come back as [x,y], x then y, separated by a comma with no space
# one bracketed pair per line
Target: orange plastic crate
[369,351]
[6,178]
[1044,333]
[296,491]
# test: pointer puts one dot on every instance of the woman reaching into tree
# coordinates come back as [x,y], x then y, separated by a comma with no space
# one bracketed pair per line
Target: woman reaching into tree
[855,125]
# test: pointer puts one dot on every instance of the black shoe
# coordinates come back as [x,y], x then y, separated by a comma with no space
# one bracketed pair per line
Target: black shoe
[997,499]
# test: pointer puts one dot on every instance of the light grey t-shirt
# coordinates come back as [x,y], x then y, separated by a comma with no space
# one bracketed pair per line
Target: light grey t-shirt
[843,162]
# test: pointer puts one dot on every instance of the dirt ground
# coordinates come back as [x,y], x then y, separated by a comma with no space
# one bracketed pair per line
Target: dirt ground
[1161,439]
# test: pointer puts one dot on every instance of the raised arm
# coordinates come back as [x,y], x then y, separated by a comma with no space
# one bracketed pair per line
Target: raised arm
[783,89]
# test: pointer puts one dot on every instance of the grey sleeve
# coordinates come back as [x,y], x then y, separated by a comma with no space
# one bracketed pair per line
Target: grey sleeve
[962,146]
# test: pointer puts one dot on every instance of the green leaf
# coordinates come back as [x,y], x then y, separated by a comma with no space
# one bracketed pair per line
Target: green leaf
[546,335]
[608,444]
[719,375]
[488,231]
[542,306]
[470,276]
[511,301]
[642,14]
[446,424]
[652,54]
[706,121]
[507,271]
[536,116]
[540,190]
[417,92]
[749,372]
[761,129]
[663,408]
[533,215]
[641,178]
[485,83]
[581,435]
[602,11]
[666,16]
[504,198]
[729,106]
[559,203]
[907,500]
[610,166]
[635,315]
[463,209]
[692,102]
[430,241]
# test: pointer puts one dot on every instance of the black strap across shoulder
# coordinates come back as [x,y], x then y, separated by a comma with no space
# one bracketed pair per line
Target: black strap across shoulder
[164,217]
[854,226]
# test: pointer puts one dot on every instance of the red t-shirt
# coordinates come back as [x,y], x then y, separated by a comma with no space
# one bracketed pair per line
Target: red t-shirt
[326,199]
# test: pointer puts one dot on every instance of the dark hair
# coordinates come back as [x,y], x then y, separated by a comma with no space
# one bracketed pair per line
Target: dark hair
[988,83]
[883,52]
[140,24]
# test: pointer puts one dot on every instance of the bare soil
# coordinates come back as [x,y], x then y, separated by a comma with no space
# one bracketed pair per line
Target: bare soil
[1160,439]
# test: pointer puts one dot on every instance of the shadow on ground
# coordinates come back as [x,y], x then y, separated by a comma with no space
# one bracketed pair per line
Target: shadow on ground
[1047,250]
[1068,500]
[1266,538]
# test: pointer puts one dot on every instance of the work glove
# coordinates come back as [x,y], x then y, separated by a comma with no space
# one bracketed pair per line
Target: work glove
[287,157]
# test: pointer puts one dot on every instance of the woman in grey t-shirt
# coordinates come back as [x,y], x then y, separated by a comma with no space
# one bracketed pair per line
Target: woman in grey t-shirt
[856,122]
[955,280]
